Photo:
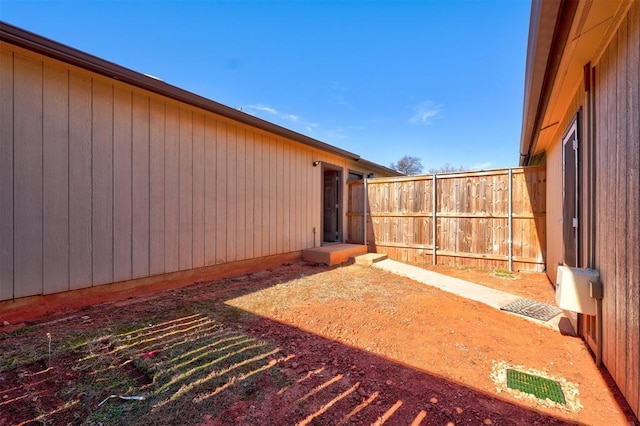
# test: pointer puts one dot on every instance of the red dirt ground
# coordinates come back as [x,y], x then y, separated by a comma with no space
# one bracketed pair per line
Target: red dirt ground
[350,345]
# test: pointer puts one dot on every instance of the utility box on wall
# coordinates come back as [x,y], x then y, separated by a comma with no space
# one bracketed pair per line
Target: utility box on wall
[574,289]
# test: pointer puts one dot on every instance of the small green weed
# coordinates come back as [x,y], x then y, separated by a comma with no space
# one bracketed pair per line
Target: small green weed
[504,274]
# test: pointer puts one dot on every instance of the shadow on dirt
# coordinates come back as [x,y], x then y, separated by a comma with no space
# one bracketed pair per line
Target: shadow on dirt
[196,360]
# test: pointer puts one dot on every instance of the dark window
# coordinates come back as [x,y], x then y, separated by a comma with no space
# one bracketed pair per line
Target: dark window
[353,175]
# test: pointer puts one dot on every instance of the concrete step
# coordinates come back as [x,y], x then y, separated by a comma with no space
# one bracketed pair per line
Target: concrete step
[369,258]
[333,254]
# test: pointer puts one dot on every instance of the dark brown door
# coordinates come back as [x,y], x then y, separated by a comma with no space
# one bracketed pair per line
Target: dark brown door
[570,194]
[331,206]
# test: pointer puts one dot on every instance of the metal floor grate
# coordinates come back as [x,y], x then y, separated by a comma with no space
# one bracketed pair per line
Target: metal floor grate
[532,309]
[535,385]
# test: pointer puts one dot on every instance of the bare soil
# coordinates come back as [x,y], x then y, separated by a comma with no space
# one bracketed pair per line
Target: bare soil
[529,285]
[300,344]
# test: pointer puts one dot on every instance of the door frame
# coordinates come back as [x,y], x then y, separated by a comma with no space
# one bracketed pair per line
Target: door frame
[327,167]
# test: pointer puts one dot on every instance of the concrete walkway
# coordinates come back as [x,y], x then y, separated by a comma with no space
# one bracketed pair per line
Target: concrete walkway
[489,296]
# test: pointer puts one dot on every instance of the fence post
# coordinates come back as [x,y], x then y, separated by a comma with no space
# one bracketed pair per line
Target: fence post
[510,221]
[364,211]
[434,219]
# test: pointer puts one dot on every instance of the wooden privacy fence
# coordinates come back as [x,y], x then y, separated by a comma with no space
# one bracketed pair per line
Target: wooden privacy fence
[492,218]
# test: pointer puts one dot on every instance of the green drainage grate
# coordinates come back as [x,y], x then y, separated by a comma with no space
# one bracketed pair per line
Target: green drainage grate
[535,385]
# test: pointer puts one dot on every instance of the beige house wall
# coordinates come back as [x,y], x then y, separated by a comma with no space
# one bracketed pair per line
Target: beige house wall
[554,209]
[104,182]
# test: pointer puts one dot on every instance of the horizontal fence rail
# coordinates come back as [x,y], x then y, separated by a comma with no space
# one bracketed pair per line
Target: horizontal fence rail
[492,218]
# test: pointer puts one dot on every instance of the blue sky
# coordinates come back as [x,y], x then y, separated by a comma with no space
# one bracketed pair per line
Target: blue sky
[440,80]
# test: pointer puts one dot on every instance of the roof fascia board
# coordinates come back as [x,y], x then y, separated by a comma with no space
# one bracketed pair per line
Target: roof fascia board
[58,51]
[548,34]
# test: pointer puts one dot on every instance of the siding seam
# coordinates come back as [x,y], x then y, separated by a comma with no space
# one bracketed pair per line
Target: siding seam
[192,192]
[149,185]
[42,177]
[131,204]
[91,177]
[68,179]
[164,186]
[13,171]
[113,183]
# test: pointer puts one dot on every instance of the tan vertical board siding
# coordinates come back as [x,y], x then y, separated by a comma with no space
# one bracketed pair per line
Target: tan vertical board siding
[172,187]
[6,173]
[307,227]
[304,168]
[27,176]
[250,188]
[240,181]
[156,185]
[286,197]
[256,141]
[258,206]
[199,196]
[296,174]
[265,194]
[232,193]
[55,150]
[221,192]
[185,164]
[633,208]
[295,171]
[140,183]
[80,181]
[293,175]
[122,187]
[316,199]
[102,181]
[278,188]
[253,221]
[210,188]
[130,184]
[272,192]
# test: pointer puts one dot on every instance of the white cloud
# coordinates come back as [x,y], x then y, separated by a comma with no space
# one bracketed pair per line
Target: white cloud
[260,110]
[257,109]
[251,109]
[425,112]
